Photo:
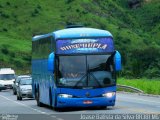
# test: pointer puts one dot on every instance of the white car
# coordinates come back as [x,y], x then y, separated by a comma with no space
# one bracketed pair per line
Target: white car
[7,78]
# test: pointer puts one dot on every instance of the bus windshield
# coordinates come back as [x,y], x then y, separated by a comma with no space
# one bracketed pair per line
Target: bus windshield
[7,76]
[85,71]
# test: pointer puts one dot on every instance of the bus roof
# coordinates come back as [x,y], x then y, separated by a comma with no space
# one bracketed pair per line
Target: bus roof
[81,32]
[37,37]
[76,33]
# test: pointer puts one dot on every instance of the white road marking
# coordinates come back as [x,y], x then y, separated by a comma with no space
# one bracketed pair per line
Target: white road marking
[24,105]
[139,100]
[53,116]
[60,119]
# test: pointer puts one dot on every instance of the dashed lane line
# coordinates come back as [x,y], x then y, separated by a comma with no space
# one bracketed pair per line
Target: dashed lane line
[24,105]
[30,107]
[60,119]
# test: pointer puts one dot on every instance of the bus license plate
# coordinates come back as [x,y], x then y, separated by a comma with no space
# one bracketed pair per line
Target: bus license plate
[87,102]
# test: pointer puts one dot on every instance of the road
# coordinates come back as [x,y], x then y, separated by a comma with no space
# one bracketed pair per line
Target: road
[28,110]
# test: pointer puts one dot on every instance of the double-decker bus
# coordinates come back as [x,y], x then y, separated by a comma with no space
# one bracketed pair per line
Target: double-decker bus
[75,67]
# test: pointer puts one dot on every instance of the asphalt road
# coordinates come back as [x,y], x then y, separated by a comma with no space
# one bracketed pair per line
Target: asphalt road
[126,104]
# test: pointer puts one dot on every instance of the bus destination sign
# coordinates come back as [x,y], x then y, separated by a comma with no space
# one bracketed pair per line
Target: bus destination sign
[85,46]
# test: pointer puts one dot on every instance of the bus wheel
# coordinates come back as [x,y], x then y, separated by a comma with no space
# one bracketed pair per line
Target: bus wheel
[37,99]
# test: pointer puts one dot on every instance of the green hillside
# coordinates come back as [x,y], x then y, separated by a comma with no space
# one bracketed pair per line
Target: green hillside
[135,25]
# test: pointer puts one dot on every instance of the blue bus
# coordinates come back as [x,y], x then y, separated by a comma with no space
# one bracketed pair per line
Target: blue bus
[75,67]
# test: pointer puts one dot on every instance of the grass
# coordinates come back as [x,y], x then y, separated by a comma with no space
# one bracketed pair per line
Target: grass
[21,19]
[149,86]
[15,53]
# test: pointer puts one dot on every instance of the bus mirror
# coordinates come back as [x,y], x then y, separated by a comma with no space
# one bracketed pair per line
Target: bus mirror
[117,58]
[51,62]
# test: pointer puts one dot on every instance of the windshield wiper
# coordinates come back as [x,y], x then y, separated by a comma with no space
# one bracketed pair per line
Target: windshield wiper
[79,81]
[91,74]
[88,74]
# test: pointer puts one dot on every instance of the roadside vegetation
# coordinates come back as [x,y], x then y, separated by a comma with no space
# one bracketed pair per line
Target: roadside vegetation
[135,25]
[149,86]
[15,54]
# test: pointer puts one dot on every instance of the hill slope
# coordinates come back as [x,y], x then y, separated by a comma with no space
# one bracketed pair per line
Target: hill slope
[135,27]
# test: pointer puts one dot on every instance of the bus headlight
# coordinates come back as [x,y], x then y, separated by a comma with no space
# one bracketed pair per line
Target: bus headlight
[109,94]
[65,95]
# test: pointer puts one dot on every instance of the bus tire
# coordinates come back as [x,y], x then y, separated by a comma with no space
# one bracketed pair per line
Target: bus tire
[37,99]
[57,109]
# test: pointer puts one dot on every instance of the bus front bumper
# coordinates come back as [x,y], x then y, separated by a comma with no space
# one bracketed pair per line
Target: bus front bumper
[85,102]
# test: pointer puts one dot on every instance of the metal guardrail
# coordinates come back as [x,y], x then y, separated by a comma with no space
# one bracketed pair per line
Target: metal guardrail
[130,88]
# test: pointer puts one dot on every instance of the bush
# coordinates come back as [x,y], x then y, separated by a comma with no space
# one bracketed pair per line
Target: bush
[5,29]
[145,62]
[12,54]
[4,15]
[1,6]
[8,3]
[152,73]
[134,3]
[69,1]
[5,50]
[39,7]
[18,64]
